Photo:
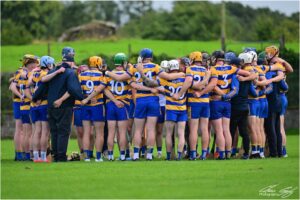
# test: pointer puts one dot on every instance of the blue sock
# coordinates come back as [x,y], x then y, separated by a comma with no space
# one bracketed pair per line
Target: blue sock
[91,153]
[227,153]
[98,155]
[204,152]
[184,147]
[208,149]
[136,150]
[143,149]
[261,150]
[87,153]
[221,154]
[127,152]
[159,148]
[192,154]
[196,147]
[253,148]
[110,153]
[217,149]
[19,156]
[283,150]
[168,155]
[178,155]
[234,150]
[122,152]
[27,155]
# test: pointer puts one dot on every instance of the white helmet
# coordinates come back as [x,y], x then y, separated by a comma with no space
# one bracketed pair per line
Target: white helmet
[165,65]
[173,65]
[246,58]
[254,55]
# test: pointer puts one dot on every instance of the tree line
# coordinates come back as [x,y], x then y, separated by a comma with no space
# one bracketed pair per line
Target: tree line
[23,22]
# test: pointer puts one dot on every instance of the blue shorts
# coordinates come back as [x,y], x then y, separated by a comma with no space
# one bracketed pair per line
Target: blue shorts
[147,107]
[254,107]
[17,111]
[39,114]
[77,117]
[131,109]
[220,109]
[176,116]
[201,110]
[263,108]
[114,113]
[284,104]
[161,118]
[93,113]
[25,116]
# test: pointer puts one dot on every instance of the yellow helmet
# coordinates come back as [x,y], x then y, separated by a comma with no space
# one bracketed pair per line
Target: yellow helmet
[30,58]
[272,51]
[95,61]
[196,56]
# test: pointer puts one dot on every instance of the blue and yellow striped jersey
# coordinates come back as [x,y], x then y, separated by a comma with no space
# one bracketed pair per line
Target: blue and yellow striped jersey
[198,74]
[120,90]
[22,85]
[224,74]
[251,69]
[90,80]
[261,73]
[36,80]
[172,87]
[151,70]
[17,76]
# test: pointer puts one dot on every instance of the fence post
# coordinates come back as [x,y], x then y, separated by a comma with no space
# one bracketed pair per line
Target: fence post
[49,50]
[282,42]
[129,50]
[223,26]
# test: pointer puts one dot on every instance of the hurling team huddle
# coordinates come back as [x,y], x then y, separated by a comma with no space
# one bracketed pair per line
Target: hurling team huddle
[213,100]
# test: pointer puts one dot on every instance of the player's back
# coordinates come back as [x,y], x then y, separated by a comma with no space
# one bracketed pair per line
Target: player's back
[224,75]
[120,89]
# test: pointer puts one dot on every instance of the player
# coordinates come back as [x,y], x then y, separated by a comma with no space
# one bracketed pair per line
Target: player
[18,87]
[175,110]
[221,109]
[198,107]
[39,111]
[117,113]
[92,111]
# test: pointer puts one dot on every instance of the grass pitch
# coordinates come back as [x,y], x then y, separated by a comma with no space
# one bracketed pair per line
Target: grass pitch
[145,179]
[10,55]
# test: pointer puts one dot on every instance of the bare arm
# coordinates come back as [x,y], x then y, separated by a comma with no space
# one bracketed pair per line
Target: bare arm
[212,83]
[171,76]
[15,91]
[141,87]
[252,76]
[118,103]
[186,85]
[285,64]
[28,94]
[279,77]
[93,94]
[262,82]
[48,77]
[200,85]
[118,77]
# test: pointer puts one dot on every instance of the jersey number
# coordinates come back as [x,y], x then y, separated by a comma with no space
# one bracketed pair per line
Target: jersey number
[115,85]
[173,91]
[225,80]
[90,85]
[138,76]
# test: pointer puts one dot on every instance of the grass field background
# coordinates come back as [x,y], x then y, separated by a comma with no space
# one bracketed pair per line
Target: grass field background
[10,55]
[143,179]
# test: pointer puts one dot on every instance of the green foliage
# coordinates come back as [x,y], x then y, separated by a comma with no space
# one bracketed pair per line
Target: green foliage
[158,179]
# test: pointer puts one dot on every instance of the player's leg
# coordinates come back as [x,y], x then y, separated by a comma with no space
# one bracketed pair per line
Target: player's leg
[78,127]
[220,139]
[110,139]
[86,138]
[159,138]
[227,136]
[36,140]
[203,123]
[18,138]
[44,140]
[99,139]
[193,137]
[243,131]
[180,130]
[27,129]
[151,133]
[122,125]
[284,103]
[137,138]
[252,126]
[169,125]
[92,141]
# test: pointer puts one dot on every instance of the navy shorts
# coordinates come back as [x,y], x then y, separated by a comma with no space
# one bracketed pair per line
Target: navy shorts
[114,113]
[284,104]
[77,117]
[25,116]
[93,113]
[161,118]
[39,114]
[176,116]
[17,111]
[200,110]
[147,107]
[220,109]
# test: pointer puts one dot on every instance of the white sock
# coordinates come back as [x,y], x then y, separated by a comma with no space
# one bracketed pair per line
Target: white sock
[35,155]
[122,157]
[136,156]
[159,152]
[43,155]
[149,156]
